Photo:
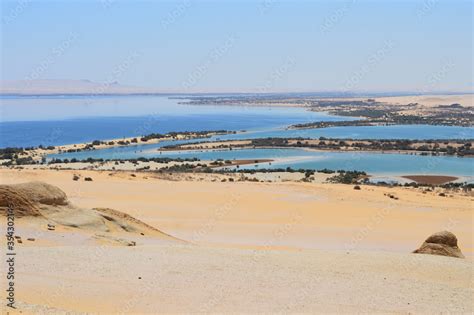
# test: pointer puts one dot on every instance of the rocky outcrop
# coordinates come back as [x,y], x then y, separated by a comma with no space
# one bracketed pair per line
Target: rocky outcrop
[16,203]
[50,207]
[442,243]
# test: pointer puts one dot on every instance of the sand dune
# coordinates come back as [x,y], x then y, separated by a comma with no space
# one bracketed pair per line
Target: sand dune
[466,100]
[321,216]
[252,247]
[46,206]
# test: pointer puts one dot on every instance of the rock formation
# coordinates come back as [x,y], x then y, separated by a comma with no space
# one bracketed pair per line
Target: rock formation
[442,243]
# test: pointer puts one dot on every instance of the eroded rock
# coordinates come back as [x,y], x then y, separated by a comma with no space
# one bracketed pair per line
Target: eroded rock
[442,243]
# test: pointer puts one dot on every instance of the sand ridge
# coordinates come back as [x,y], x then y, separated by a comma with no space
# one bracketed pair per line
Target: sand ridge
[322,216]
[43,205]
[281,247]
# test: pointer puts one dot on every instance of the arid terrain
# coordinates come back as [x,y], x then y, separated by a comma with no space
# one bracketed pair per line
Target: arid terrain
[164,235]
[240,246]
[236,157]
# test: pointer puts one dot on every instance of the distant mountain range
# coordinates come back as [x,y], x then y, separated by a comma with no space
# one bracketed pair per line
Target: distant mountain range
[58,87]
[87,87]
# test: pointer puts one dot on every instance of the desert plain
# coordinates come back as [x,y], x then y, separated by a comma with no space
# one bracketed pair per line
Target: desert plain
[240,247]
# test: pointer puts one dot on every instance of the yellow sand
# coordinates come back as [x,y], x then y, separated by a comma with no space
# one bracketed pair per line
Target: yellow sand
[466,100]
[322,215]
[255,247]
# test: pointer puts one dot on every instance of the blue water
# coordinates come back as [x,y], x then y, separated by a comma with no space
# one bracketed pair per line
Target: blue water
[31,121]
[365,132]
[24,123]
[372,163]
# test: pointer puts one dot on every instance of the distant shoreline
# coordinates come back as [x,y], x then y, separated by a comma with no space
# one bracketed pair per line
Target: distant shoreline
[335,95]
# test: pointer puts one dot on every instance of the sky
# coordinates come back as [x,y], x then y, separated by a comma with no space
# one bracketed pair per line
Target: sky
[243,46]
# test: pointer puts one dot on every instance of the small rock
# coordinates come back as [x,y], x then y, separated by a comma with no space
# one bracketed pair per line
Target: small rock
[30,239]
[19,241]
[356,187]
[88,179]
[442,243]
[75,177]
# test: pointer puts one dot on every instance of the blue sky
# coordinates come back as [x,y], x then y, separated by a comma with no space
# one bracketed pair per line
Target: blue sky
[264,45]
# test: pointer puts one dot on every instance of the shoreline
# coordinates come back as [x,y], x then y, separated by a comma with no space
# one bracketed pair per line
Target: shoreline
[150,169]
[245,144]
[37,153]
[191,165]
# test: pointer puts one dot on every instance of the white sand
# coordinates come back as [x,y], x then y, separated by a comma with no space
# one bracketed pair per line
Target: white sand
[190,279]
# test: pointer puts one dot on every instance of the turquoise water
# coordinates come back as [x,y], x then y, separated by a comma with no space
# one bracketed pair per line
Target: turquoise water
[31,121]
[372,163]
[366,132]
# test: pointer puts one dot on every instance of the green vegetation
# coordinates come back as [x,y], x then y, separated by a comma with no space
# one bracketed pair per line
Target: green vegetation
[347,177]
[375,117]
[372,111]
[117,161]
[458,147]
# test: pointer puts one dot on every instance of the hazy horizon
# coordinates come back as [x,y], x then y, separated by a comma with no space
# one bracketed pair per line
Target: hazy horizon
[52,87]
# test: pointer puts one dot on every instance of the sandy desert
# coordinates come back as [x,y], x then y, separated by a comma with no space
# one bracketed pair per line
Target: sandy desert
[220,247]
[236,157]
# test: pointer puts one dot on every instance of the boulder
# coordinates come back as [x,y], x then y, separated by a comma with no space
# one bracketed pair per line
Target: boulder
[16,203]
[43,193]
[442,243]
[28,199]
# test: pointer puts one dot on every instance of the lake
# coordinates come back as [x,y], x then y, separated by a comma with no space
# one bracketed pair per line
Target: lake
[372,163]
[31,121]
[47,120]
